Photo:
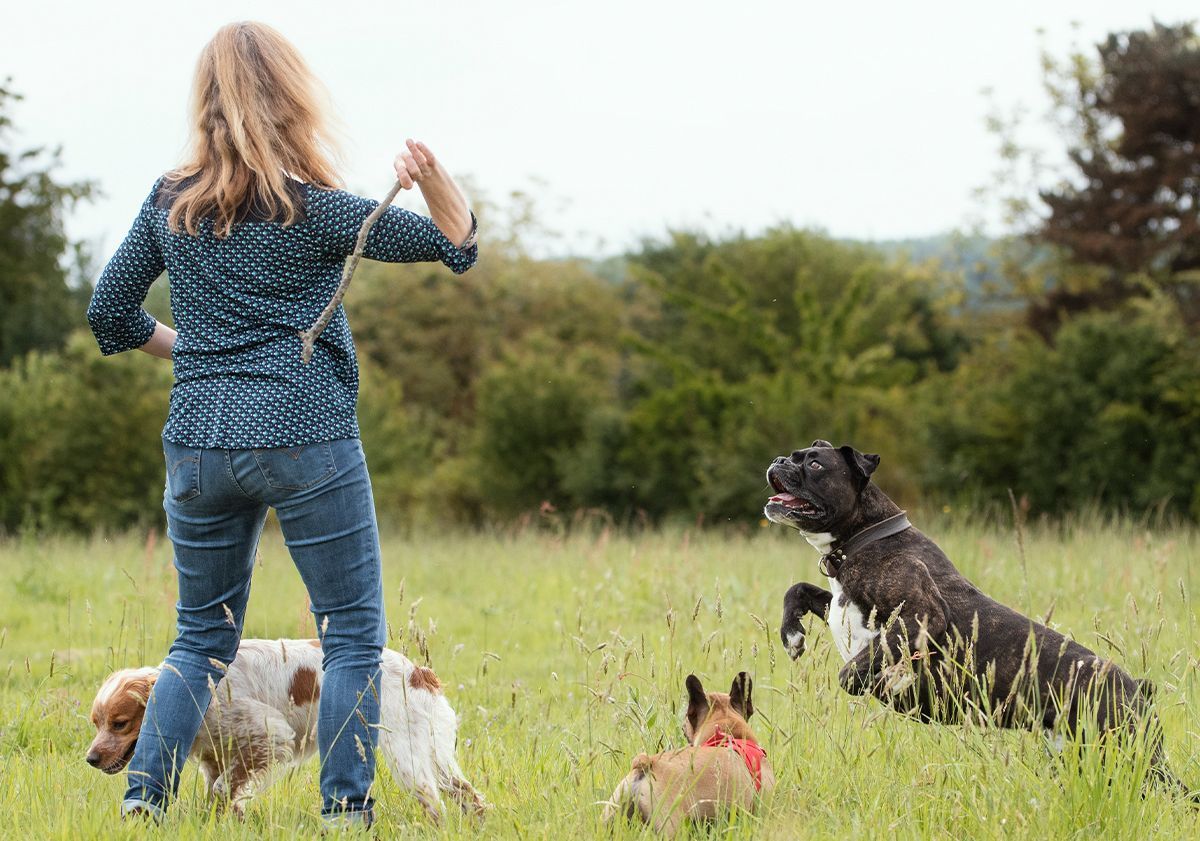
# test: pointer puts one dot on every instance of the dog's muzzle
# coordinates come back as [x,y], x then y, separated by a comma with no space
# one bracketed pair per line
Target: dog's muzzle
[785,505]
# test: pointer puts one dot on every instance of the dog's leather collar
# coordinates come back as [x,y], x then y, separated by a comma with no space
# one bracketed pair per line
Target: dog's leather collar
[832,560]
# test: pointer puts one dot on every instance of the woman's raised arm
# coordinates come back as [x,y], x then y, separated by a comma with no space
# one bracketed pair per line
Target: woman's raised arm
[448,207]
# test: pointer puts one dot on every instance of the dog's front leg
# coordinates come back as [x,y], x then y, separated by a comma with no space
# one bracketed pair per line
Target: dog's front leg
[801,599]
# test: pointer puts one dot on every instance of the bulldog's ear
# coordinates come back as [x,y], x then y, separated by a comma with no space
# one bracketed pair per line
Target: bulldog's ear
[697,704]
[739,695]
[821,442]
[862,465]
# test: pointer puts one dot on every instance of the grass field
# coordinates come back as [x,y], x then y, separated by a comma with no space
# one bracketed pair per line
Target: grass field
[565,656]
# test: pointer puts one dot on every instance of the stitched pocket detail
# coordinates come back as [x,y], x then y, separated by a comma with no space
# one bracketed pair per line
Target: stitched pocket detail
[183,471]
[296,468]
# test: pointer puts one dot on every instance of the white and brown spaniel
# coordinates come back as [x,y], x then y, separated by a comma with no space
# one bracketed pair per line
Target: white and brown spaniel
[263,719]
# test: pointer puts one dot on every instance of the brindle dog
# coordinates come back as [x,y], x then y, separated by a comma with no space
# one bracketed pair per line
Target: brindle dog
[920,637]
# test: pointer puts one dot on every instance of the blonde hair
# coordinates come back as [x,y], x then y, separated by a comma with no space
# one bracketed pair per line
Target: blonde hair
[258,120]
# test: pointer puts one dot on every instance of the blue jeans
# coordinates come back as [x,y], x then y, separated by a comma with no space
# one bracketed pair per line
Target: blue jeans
[216,502]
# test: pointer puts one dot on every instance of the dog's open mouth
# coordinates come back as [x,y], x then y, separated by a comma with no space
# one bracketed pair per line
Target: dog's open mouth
[794,504]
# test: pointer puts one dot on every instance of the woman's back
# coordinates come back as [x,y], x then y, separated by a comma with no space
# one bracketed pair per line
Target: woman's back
[238,302]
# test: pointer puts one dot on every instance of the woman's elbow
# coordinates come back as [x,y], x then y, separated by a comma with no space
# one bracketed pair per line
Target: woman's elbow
[100,321]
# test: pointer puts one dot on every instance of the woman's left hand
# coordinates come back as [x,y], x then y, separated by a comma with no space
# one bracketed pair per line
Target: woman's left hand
[415,164]
[447,205]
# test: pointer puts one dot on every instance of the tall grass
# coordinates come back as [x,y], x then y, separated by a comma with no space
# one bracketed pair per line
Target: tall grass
[565,653]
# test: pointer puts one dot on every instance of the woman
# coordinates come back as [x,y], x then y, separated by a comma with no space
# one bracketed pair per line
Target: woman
[252,233]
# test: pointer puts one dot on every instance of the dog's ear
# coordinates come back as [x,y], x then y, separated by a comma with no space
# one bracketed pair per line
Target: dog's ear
[861,465]
[138,689]
[697,704]
[739,695]
[821,442]
[135,691]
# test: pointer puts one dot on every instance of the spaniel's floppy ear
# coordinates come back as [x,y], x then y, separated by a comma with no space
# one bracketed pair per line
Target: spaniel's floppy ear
[138,688]
[821,442]
[697,705]
[861,465]
[739,695]
[146,685]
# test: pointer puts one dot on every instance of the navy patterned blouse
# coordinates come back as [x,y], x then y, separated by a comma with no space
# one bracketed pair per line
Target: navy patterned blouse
[238,303]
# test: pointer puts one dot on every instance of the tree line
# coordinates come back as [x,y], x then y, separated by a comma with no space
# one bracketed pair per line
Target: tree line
[658,385]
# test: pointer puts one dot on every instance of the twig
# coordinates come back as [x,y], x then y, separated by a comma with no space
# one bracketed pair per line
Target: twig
[309,337]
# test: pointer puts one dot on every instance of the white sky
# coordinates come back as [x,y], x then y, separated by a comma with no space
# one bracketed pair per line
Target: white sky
[864,119]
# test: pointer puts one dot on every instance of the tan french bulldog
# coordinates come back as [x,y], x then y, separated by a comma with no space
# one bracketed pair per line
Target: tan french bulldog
[722,766]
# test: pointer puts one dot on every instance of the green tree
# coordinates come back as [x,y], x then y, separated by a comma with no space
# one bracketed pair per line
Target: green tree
[1133,200]
[786,299]
[1128,205]
[750,347]
[41,298]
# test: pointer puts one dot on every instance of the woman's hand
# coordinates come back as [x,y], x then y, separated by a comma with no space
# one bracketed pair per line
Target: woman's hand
[448,207]
[415,164]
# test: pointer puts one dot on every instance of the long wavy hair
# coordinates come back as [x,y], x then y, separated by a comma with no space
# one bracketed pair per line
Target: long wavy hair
[258,121]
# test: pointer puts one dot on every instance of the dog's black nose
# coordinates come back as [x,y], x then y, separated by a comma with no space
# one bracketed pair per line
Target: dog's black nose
[93,759]
[779,460]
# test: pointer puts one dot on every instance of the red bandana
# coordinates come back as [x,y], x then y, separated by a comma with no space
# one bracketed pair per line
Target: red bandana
[749,751]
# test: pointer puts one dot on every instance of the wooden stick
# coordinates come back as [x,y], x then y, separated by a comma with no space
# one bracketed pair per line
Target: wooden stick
[309,337]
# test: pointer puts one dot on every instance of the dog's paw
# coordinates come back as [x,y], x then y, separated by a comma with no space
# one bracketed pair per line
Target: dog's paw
[792,635]
[793,643]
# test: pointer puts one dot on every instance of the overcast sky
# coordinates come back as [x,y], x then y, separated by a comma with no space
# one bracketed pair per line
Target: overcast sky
[865,119]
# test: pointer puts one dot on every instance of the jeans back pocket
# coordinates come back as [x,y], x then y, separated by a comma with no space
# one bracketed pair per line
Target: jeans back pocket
[183,471]
[296,468]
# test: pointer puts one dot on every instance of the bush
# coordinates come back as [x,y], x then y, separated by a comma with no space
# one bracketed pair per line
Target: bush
[401,445]
[79,435]
[1108,414]
[532,420]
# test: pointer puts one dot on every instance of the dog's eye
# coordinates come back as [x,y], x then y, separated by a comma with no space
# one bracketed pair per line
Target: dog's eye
[815,465]
[120,725]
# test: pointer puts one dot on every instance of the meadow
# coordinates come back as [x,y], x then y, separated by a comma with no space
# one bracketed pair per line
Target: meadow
[563,647]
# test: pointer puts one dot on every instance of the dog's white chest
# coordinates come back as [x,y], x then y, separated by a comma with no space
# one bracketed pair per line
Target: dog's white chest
[846,621]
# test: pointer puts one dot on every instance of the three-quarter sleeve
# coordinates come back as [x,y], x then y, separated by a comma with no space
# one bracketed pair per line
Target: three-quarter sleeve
[398,236]
[115,314]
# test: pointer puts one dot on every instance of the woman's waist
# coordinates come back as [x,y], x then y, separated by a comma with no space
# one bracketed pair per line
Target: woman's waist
[261,383]
[241,410]
[255,423]
[225,341]
[269,360]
